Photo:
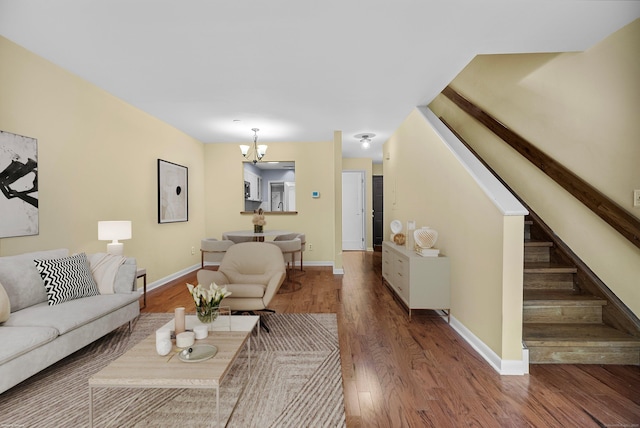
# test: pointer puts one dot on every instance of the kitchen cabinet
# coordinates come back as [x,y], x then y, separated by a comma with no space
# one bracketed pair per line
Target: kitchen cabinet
[418,282]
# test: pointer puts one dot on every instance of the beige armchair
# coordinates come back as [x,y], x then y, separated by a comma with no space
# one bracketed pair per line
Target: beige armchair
[252,271]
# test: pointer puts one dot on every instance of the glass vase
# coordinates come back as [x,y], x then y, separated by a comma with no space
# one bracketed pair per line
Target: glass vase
[207,313]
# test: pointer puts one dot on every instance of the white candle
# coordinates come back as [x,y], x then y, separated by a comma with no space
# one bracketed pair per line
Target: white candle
[185,339]
[179,320]
[201,331]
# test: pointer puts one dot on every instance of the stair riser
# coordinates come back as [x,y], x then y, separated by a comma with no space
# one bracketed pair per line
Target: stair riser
[536,254]
[584,355]
[562,314]
[548,281]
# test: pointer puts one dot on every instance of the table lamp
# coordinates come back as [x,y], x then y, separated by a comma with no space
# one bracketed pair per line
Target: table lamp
[113,231]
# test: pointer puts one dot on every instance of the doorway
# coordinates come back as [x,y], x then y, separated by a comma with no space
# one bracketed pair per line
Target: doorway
[353,206]
[282,196]
[378,207]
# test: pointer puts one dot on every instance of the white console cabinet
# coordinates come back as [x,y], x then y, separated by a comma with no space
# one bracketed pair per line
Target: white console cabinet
[420,282]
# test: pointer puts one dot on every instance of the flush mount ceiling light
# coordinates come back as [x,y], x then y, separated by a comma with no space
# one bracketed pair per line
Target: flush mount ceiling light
[365,139]
[256,152]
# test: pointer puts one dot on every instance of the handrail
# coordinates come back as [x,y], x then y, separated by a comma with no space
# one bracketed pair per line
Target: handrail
[613,214]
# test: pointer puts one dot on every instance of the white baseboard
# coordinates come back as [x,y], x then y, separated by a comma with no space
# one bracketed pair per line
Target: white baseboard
[503,367]
[163,281]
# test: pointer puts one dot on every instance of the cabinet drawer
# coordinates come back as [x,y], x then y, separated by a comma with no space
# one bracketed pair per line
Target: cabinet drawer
[387,265]
[401,277]
[402,280]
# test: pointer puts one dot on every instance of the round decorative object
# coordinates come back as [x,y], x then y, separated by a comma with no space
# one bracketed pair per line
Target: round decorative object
[399,238]
[163,346]
[185,339]
[425,237]
[201,331]
[396,226]
[207,314]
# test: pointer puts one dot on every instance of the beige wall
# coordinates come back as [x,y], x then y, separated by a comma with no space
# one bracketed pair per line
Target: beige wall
[425,182]
[365,165]
[224,198]
[581,109]
[97,161]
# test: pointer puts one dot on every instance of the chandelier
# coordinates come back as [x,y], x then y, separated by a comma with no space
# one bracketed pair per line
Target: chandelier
[256,152]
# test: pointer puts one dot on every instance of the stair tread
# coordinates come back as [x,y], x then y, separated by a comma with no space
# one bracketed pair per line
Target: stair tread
[540,334]
[548,267]
[537,297]
[528,243]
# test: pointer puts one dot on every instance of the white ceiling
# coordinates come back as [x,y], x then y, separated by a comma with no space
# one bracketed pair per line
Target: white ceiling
[296,69]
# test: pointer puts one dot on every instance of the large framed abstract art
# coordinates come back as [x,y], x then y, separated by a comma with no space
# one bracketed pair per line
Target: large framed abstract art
[173,192]
[18,185]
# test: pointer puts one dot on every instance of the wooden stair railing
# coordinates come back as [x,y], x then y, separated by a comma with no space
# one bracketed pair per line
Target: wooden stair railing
[612,213]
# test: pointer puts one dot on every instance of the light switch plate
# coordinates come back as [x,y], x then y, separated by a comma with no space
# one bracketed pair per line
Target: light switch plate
[636,198]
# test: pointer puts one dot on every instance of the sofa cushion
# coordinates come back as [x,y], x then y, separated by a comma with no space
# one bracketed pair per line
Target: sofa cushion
[70,315]
[21,279]
[104,267]
[126,277]
[5,305]
[20,340]
[68,278]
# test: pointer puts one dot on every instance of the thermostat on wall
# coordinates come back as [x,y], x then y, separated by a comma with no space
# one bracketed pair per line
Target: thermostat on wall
[315,194]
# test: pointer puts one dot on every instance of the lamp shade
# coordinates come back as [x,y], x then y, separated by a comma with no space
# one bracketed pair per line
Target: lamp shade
[114,230]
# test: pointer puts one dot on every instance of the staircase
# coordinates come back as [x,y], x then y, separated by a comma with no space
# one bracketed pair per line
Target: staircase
[563,324]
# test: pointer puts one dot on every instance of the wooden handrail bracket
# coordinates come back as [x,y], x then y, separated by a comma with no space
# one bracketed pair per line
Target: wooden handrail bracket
[609,211]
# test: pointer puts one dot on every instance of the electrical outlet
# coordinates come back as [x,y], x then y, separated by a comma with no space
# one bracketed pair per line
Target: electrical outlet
[310,247]
[193,250]
[636,198]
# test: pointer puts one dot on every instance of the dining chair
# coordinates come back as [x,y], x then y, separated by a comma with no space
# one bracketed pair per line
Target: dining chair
[303,247]
[213,250]
[289,237]
[289,250]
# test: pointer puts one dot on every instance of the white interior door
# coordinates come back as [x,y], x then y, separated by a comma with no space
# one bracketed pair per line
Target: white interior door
[353,221]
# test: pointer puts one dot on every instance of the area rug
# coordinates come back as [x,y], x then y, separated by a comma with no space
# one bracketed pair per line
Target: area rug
[296,381]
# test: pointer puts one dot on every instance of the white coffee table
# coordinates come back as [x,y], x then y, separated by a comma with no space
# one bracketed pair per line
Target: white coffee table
[142,367]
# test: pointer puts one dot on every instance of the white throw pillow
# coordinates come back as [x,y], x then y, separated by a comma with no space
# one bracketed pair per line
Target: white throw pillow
[5,305]
[67,278]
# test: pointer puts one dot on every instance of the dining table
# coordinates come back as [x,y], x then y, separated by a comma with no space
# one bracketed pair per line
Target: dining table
[258,236]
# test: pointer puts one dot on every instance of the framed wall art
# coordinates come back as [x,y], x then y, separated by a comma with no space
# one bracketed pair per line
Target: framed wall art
[173,192]
[18,185]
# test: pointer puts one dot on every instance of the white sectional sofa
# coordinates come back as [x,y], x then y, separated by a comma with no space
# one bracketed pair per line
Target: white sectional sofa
[37,334]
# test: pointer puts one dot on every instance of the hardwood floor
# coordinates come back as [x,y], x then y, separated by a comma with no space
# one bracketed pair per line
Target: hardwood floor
[398,373]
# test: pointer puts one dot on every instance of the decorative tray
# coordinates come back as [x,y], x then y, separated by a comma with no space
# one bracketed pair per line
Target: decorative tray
[196,353]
